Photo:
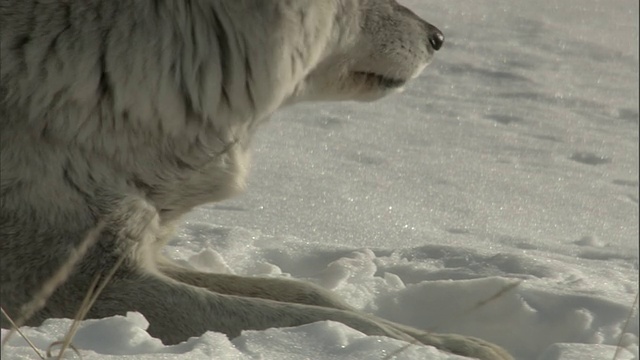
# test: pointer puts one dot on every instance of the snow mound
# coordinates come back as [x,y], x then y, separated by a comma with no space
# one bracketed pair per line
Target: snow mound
[531,308]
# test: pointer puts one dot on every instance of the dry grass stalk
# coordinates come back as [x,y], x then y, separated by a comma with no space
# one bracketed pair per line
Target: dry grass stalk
[477,306]
[624,328]
[50,355]
[17,329]
[480,304]
[66,342]
[90,298]
[47,289]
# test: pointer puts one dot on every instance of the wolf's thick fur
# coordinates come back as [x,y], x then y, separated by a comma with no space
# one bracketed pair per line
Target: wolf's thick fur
[130,113]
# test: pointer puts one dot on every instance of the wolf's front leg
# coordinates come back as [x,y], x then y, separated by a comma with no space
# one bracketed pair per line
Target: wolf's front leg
[292,291]
[284,290]
[454,343]
[177,311]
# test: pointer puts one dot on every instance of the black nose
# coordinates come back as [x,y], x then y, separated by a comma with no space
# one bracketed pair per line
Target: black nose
[436,38]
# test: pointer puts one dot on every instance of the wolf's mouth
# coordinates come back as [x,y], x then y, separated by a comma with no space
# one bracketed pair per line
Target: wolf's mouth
[380,80]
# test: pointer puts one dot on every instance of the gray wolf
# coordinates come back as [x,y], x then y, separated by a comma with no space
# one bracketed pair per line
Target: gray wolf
[131,113]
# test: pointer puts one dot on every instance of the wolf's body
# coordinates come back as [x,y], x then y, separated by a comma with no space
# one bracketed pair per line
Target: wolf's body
[130,113]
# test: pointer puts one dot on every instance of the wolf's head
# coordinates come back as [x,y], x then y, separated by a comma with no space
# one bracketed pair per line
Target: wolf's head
[379,46]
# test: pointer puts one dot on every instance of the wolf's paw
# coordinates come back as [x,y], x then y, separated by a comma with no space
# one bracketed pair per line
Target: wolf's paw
[466,346]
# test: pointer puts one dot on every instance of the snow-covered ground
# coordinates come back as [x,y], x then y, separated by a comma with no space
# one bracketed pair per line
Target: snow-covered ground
[513,158]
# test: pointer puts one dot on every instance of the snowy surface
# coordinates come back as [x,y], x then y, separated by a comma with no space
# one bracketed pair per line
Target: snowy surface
[514,157]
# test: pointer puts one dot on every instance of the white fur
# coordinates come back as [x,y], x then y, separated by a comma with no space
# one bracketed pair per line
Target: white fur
[130,113]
